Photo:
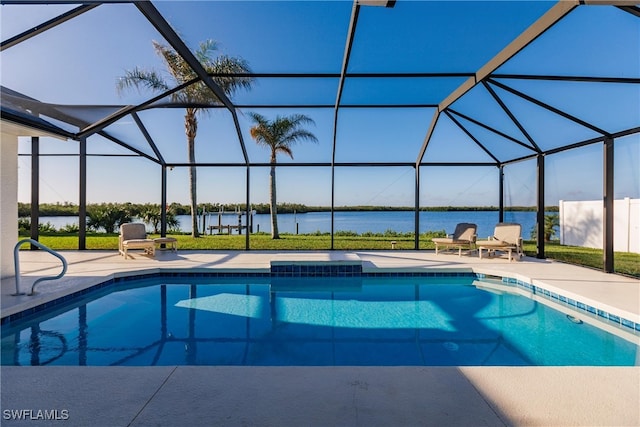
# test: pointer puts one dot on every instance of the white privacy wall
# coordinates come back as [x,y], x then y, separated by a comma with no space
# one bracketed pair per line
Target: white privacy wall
[581,224]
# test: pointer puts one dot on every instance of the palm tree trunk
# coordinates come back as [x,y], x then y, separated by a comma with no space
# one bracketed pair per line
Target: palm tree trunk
[194,202]
[191,128]
[274,206]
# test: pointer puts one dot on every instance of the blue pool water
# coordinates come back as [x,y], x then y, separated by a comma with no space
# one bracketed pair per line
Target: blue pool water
[310,322]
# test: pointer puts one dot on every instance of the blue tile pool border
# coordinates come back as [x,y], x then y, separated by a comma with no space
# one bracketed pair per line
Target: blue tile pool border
[579,306]
[336,270]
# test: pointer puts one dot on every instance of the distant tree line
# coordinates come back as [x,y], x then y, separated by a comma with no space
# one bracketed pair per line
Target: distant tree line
[137,209]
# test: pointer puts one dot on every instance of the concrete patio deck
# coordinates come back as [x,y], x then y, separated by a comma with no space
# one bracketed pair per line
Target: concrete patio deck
[320,396]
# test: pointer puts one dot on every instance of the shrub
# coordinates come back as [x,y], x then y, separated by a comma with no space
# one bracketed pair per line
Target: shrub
[152,215]
[46,228]
[24,224]
[345,233]
[431,234]
[107,216]
[70,228]
[550,223]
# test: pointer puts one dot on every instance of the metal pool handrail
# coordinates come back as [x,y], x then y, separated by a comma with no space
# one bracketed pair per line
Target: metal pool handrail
[16,263]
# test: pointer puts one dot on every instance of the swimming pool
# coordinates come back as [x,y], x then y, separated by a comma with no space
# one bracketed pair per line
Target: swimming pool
[268,321]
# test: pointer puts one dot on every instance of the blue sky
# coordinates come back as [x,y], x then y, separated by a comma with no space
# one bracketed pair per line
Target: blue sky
[79,62]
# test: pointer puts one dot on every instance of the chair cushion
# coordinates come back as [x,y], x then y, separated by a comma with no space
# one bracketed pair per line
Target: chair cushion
[449,241]
[138,242]
[494,243]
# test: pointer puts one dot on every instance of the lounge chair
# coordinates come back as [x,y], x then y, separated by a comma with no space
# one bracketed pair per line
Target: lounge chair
[506,238]
[134,236]
[464,237]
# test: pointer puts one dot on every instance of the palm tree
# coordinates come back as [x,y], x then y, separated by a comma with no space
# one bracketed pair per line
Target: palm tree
[179,72]
[279,135]
[551,222]
[153,215]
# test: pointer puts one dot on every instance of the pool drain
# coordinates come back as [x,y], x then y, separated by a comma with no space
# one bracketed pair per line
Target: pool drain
[574,319]
[451,346]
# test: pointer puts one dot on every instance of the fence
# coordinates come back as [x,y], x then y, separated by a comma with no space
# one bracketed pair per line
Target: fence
[581,224]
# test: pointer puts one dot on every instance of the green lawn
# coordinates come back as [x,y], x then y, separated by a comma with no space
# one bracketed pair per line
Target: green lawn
[624,263]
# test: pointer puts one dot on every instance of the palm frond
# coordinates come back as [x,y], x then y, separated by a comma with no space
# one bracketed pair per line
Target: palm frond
[201,94]
[290,131]
[181,72]
[205,50]
[284,149]
[262,135]
[139,79]
[230,65]
[176,65]
[301,119]
[257,118]
[299,135]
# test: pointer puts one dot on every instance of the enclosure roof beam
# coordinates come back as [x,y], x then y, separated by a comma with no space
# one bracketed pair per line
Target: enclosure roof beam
[59,2]
[609,2]
[591,79]
[549,107]
[292,106]
[124,111]
[157,20]
[626,132]
[34,123]
[620,134]
[353,22]
[385,3]
[77,155]
[336,164]
[38,29]
[546,21]
[163,27]
[147,136]
[470,135]
[338,75]
[489,128]
[127,146]
[511,116]
[427,138]
[634,10]
[351,32]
